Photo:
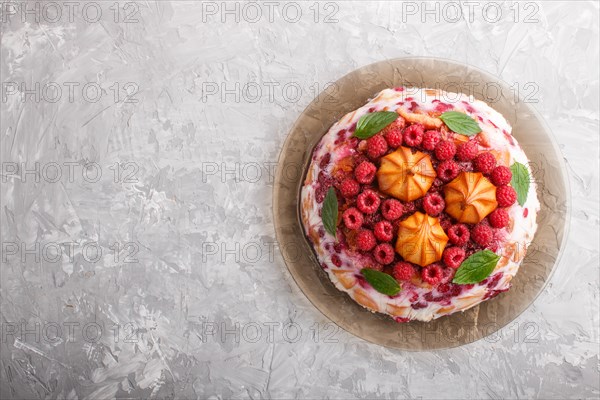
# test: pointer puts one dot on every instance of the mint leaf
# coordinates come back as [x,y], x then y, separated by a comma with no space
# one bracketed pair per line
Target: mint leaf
[520,181]
[370,124]
[329,213]
[460,123]
[381,281]
[476,268]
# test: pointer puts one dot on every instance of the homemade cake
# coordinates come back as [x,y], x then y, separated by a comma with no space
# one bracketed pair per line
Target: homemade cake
[420,203]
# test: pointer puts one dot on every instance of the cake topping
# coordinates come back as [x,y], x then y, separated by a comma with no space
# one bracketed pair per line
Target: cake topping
[460,123]
[432,274]
[520,181]
[368,202]
[485,162]
[365,172]
[403,271]
[499,218]
[406,175]
[376,146]
[476,268]
[384,253]
[506,196]
[470,197]
[501,175]
[391,209]
[482,235]
[421,239]
[445,150]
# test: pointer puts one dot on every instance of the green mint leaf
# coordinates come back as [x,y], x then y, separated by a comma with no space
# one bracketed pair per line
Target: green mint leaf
[520,181]
[476,268]
[370,124]
[460,123]
[381,281]
[329,213]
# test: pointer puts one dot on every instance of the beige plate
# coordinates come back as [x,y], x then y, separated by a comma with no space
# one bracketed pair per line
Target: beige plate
[351,92]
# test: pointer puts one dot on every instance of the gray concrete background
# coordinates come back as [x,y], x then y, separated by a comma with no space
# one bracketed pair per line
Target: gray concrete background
[140,260]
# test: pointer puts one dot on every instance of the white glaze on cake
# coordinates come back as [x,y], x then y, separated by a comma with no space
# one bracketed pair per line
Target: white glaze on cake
[410,303]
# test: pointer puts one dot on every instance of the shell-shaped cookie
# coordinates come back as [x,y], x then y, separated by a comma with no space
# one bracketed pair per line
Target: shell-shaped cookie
[405,175]
[470,197]
[421,239]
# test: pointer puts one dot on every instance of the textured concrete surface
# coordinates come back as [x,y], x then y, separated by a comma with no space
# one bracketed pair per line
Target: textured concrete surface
[139,261]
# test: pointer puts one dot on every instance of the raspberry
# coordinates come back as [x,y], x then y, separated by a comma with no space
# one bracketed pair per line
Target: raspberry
[384,231]
[505,196]
[368,202]
[325,160]
[403,271]
[501,175]
[349,187]
[445,150]
[413,135]
[447,170]
[459,234]
[384,253]
[365,240]
[485,163]
[353,219]
[376,146]
[431,139]
[467,151]
[335,259]
[433,204]
[432,274]
[499,218]
[453,257]
[391,209]
[365,172]
[482,234]
[393,133]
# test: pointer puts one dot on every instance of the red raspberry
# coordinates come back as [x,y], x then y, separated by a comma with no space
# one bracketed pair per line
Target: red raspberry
[445,150]
[432,274]
[447,170]
[482,234]
[459,234]
[349,187]
[384,231]
[431,139]
[391,209]
[485,163]
[368,202]
[413,135]
[505,196]
[501,175]
[353,219]
[384,253]
[403,271]
[365,240]
[467,151]
[365,172]
[393,136]
[453,257]
[335,259]
[499,218]
[376,146]
[433,204]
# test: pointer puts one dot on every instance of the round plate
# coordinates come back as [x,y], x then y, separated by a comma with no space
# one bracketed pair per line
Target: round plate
[353,91]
